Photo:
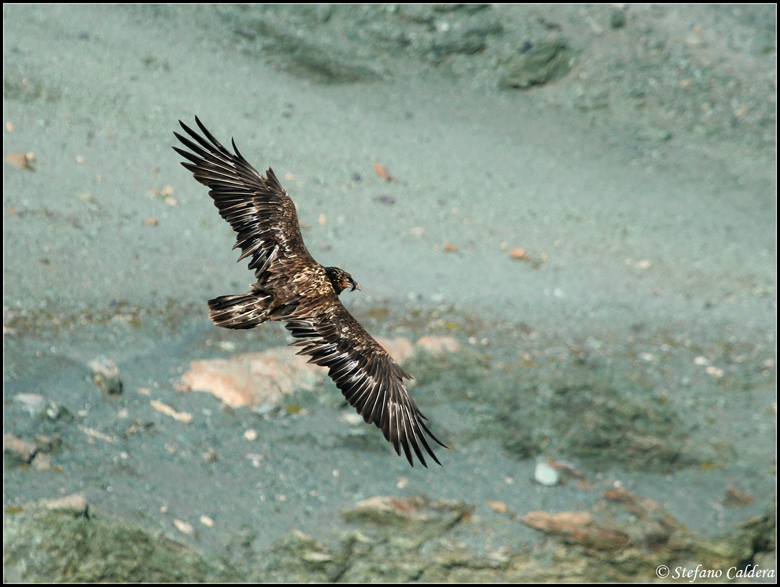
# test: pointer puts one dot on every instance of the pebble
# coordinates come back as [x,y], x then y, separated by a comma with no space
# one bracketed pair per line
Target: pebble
[32,402]
[183,527]
[75,503]
[105,375]
[546,475]
[18,449]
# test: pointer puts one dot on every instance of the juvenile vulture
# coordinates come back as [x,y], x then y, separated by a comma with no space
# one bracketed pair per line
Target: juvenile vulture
[293,288]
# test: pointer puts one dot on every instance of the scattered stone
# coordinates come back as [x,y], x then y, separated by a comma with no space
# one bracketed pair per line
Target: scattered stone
[382,172]
[207,521]
[105,375]
[75,504]
[655,133]
[92,433]
[21,160]
[17,450]
[598,419]
[386,199]
[589,99]
[63,541]
[546,475]
[300,559]
[56,412]
[412,512]
[649,524]
[521,254]
[518,253]
[544,61]
[184,527]
[32,402]
[41,461]
[578,528]
[735,498]
[498,506]
[694,40]
[617,17]
[185,417]
[624,538]
[48,443]
[569,471]
[255,459]
[312,556]
[253,379]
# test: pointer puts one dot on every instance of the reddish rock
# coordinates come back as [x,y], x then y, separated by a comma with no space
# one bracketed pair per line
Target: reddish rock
[577,527]
[252,379]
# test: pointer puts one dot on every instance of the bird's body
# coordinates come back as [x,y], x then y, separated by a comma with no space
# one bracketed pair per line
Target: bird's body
[292,287]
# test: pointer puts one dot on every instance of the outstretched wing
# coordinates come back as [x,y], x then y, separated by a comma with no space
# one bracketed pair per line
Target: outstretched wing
[369,378]
[258,208]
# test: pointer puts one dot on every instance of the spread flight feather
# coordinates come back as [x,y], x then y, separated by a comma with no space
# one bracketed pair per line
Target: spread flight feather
[292,287]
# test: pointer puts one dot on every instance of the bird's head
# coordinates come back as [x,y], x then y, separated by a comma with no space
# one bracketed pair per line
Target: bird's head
[340,279]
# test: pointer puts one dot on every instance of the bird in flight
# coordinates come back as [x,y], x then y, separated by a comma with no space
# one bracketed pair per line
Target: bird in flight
[293,288]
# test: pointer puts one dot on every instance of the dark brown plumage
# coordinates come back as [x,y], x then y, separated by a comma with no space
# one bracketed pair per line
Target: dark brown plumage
[292,287]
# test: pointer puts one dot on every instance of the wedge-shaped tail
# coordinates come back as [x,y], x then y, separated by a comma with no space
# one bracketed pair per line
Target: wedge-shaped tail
[240,312]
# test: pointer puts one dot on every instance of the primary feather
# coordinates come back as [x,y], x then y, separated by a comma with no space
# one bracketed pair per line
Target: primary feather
[292,287]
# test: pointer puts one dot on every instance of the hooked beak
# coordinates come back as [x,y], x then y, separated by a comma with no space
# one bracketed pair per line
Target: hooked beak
[356,286]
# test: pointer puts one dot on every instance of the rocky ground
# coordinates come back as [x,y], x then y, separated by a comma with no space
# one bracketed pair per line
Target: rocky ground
[581,199]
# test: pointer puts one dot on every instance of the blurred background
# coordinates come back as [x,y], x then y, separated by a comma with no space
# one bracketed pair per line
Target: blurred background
[579,200]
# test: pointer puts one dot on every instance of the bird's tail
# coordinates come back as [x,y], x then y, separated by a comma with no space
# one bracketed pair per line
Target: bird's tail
[241,311]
